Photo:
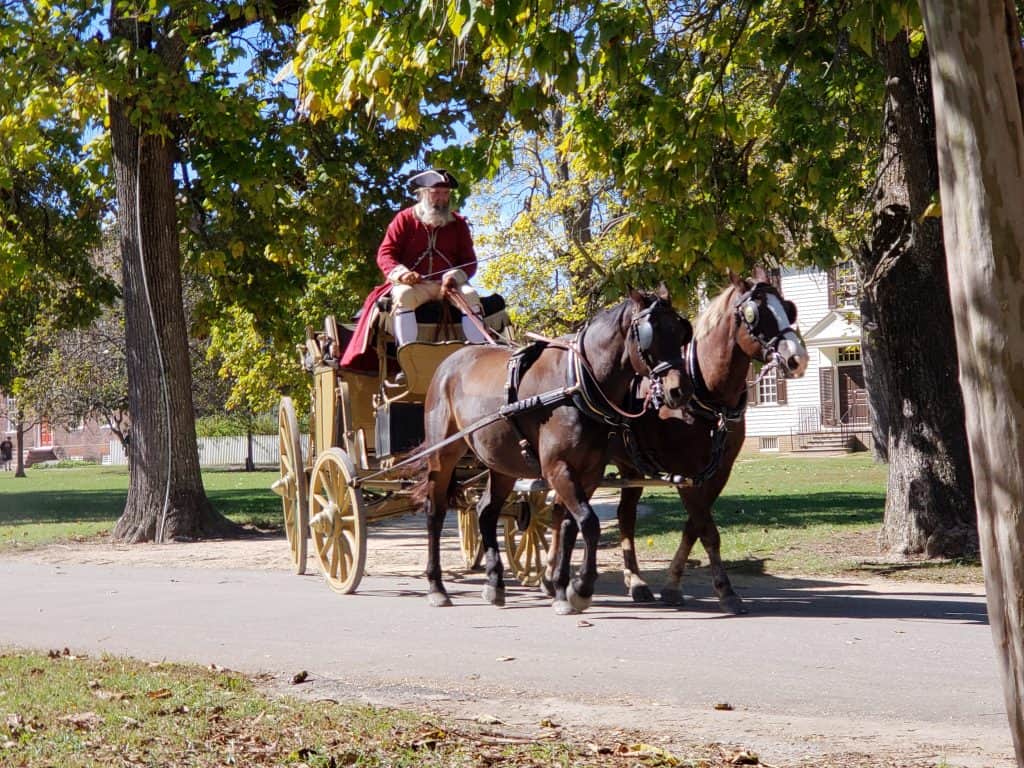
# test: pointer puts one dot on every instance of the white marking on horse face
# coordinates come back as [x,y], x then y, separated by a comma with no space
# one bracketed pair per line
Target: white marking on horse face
[793,353]
[790,347]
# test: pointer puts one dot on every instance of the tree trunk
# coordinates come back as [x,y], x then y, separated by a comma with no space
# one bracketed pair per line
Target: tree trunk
[166,499]
[929,506]
[874,358]
[19,446]
[250,465]
[981,161]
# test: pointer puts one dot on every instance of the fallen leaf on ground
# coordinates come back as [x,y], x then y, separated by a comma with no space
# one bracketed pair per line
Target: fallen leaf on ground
[487,720]
[83,721]
[546,723]
[583,623]
[647,750]
[506,658]
[743,757]
[159,693]
[300,677]
[724,706]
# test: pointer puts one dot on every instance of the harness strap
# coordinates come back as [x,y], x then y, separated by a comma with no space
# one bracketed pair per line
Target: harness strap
[591,399]
[456,298]
[544,400]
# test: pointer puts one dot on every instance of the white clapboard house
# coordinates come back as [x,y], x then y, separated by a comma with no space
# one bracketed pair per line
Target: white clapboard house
[826,410]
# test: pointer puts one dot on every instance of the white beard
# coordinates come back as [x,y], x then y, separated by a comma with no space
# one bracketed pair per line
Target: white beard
[433,216]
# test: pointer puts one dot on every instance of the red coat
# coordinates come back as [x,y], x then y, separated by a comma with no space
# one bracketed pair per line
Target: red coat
[407,243]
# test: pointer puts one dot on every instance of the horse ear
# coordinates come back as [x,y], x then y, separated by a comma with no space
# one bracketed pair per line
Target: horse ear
[736,280]
[760,276]
[662,293]
[687,331]
[790,308]
[637,296]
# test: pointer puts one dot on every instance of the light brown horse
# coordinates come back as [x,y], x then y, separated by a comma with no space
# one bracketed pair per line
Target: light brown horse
[747,321]
[565,442]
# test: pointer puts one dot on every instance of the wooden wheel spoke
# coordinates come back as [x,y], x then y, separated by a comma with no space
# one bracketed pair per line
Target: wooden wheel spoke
[338,521]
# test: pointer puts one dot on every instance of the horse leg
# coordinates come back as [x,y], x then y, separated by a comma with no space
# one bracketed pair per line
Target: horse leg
[547,578]
[560,563]
[698,508]
[440,475]
[574,595]
[488,509]
[728,600]
[636,587]
[672,591]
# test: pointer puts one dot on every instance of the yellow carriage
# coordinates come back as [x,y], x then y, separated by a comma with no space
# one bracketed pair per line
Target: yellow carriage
[361,427]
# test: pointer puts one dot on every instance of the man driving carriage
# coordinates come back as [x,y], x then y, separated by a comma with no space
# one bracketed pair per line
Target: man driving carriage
[427,248]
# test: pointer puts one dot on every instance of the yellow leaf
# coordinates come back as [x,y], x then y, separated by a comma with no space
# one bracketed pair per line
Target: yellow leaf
[237,249]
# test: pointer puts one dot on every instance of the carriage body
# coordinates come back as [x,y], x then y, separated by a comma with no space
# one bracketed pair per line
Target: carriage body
[363,424]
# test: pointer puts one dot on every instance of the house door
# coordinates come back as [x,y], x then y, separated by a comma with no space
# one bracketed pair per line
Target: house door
[853,396]
[45,433]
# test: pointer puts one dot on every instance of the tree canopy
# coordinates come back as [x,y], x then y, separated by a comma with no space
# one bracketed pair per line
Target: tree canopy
[734,132]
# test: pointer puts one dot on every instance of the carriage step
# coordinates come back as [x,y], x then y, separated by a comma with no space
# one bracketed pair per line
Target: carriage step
[529,485]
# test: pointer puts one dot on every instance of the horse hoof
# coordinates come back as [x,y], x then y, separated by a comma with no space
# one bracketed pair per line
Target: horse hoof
[641,594]
[493,595]
[547,587]
[439,600]
[563,608]
[671,596]
[578,602]
[733,604]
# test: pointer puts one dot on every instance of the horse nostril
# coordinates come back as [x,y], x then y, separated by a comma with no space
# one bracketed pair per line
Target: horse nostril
[676,393]
[793,363]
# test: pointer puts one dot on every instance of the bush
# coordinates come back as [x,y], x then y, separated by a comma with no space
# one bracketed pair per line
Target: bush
[231,425]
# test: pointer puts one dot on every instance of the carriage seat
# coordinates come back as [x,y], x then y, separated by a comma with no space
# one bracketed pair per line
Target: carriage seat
[431,312]
[430,315]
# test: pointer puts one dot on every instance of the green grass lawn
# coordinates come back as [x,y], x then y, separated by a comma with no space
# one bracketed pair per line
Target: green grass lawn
[795,515]
[55,504]
[777,514]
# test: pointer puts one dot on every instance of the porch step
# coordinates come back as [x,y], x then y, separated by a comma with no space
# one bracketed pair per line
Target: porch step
[823,441]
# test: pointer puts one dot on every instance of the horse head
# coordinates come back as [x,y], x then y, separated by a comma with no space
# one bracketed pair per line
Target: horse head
[767,321]
[656,336]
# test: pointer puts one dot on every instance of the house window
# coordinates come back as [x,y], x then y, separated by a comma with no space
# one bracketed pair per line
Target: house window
[768,388]
[7,417]
[843,286]
[850,354]
[768,444]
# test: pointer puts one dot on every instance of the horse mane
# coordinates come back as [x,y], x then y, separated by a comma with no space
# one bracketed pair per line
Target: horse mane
[715,312]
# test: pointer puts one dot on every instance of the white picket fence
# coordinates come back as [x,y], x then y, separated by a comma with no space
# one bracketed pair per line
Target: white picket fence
[224,451]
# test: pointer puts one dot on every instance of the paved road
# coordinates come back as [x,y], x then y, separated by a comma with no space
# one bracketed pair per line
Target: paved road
[816,669]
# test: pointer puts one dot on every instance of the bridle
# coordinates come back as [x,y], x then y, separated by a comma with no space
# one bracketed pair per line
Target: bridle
[641,333]
[640,340]
[748,313]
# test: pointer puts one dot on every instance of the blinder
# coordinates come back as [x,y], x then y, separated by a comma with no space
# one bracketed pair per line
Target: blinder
[642,331]
[748,312]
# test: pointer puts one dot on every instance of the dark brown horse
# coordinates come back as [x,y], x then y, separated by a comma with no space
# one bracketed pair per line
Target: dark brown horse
[748,321]
[565,442]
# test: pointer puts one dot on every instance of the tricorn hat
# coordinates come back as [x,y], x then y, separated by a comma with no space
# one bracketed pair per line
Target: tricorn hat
[433,178]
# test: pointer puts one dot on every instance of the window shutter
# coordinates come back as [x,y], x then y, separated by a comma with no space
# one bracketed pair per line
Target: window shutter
[833,289]
[780,387]
[826,380]
[751,385]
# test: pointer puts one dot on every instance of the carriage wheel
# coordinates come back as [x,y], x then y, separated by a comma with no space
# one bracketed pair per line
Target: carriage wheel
[291,486]
[527,549]
[337,521]
[469,537]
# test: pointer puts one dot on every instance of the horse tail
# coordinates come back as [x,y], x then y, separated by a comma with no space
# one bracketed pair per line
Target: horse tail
[418,493]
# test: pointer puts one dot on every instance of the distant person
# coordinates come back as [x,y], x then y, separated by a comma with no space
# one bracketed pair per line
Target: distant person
[427,247]
[6,452]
